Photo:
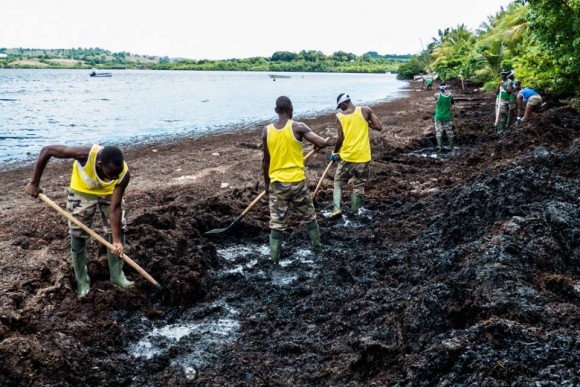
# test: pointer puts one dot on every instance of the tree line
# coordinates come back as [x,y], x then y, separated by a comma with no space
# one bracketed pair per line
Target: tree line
[303,61]
[538,39]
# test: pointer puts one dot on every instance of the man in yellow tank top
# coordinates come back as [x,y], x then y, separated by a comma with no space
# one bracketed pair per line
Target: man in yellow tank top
[353,149]
[283,168]
[99,179]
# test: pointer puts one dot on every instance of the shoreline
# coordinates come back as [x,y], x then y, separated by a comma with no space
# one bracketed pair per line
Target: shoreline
[319,122]
[24,154]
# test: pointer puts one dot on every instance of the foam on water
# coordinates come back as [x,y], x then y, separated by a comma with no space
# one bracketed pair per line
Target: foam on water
[204,333]
[231,253]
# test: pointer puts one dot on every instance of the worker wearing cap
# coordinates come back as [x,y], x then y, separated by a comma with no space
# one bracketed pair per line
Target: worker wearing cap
[353,149]
[443,117]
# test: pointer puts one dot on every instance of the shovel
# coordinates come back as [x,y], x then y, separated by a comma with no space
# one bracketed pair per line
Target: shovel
[321,179]
[253,203]
[131,263]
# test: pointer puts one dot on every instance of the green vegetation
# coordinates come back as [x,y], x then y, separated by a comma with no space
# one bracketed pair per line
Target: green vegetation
[538,39]
[308,61]
[75,58]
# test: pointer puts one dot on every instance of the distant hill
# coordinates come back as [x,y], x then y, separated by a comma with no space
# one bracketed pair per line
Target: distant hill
[98,58]
[75,58]
[374,54]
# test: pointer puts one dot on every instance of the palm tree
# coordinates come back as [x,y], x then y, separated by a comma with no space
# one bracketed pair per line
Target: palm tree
[503,39]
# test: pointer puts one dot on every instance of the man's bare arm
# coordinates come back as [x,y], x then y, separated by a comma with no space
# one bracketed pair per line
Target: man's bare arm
[116,214]
[339,137]
[80,153]
[304,131]
[265,158]
[372,119]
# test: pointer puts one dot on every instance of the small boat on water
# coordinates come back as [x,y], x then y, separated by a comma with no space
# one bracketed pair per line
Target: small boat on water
[95,74]
[274,76]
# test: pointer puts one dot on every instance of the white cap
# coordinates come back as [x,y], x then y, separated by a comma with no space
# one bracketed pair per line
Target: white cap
[342,97]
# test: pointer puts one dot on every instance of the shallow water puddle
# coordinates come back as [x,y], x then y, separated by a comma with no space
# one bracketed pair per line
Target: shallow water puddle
[431,152]
[197,338]
[283,279]
[351,221]
[231,253]
[205,328]
[235,253]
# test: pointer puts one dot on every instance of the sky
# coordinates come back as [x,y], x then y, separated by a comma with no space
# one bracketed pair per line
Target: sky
[223,29]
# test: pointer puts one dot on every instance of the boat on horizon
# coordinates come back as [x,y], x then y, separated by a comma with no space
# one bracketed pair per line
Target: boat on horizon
[274,76]
[95,74]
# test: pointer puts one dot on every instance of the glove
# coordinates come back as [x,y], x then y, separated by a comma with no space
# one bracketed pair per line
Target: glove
[518,120]
[334,156]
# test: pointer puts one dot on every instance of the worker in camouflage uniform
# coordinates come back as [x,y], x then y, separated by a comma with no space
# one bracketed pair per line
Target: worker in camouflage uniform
[502,103]
[98,182]
[513,89]
[283,168]
[353,149]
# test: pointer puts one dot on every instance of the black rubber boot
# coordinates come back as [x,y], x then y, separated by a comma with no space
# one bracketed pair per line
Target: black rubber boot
[79,258]
[314,233]
[276,238]
[117,276]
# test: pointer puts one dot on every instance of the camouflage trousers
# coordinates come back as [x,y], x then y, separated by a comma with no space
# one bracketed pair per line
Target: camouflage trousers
[286,195]
[502,116]
[83,207]
[512,113]
[356,174]
[443,126]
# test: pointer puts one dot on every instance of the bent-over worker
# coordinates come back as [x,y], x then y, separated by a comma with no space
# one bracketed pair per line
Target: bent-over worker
[98,181]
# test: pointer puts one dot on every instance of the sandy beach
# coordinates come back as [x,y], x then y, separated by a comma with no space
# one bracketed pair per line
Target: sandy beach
[463,269]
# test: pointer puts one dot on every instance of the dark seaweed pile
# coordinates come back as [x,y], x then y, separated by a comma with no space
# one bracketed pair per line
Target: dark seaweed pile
[463,270]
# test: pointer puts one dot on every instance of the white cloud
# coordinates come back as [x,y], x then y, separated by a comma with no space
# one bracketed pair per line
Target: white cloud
[236,29]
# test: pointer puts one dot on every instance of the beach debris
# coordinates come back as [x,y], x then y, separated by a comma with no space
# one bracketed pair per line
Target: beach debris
[190,373]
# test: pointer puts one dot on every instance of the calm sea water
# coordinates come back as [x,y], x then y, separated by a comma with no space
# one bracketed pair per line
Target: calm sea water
[41,107]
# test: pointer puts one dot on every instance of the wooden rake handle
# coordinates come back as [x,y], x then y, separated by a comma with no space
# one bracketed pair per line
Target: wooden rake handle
[260,196]
[99,238]
[321,179]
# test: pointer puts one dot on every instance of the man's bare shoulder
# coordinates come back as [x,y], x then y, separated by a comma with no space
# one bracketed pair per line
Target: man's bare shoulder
[366,110]
[299,125]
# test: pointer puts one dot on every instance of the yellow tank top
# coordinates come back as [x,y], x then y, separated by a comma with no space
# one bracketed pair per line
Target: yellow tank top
[85,178]
[286,158]
[356,147]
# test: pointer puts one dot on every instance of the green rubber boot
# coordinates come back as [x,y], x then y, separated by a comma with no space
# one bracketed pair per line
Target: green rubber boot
[355,203]
[451,142]
[276,238]
[116,269]
[79,258]
[314,233]
[336,200]
[439,144]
